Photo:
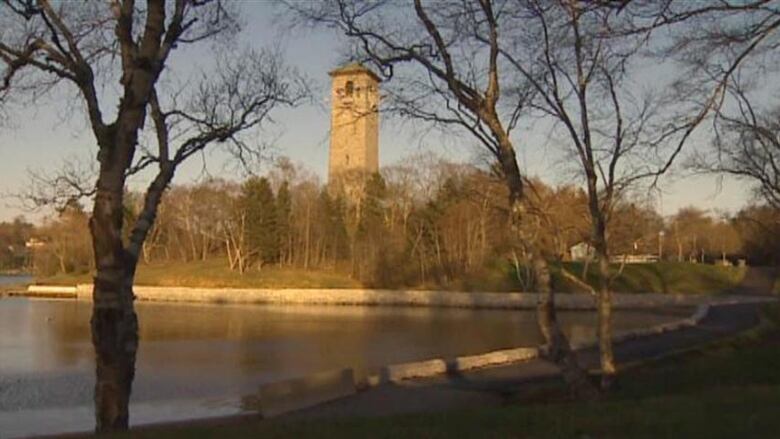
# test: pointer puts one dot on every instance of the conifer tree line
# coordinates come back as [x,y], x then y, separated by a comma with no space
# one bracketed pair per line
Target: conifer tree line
[437,223]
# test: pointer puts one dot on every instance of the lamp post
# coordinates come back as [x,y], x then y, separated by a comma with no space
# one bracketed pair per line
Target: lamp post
[661,234]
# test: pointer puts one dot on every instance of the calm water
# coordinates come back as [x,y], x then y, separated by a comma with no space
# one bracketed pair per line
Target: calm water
[196,360]
[10,280]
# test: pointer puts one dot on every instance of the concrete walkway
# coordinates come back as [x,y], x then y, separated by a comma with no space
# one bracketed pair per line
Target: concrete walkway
[757,281]
[494,386]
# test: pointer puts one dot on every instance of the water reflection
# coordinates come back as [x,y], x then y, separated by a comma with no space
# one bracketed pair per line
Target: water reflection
[16,279]
[191,351]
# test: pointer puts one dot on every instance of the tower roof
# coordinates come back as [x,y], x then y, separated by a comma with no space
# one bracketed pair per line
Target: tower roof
[353,68]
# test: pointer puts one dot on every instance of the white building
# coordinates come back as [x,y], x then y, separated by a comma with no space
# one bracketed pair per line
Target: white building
[582,252]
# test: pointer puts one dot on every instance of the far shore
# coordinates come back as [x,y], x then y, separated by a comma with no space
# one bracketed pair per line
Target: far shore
[14,273]
[384,297]
[662,278]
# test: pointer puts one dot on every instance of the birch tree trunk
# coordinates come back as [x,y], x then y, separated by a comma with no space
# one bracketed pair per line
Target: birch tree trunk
[557,345]
[607,357]
[114,322]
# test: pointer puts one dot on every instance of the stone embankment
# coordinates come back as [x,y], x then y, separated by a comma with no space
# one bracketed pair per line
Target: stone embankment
[51,291]
[370,297]
[440,366]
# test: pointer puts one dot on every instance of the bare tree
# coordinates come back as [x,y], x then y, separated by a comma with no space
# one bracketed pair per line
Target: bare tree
[579,74]
[442,75]
[84,46]
[728,51]
[580,60]
[746,145]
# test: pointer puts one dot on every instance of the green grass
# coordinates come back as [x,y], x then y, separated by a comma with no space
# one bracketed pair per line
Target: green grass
[665,277]
[215,273]
[776,289]
[716,414]
[725,390]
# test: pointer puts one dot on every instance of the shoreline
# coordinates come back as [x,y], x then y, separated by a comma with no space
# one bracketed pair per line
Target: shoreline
[321,395]
[15,273]
[379,297]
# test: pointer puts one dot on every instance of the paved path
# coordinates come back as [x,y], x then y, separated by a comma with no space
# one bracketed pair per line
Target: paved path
[758,281]
[492,387]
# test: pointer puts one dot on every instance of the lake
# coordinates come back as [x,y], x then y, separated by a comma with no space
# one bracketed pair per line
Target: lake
[198,360]
[15,279]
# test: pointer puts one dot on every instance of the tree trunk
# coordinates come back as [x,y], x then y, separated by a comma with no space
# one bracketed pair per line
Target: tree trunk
[557,345]
[558,349]
[307,235]
[679,243]
[114,322]
[205,245]
[597,210]
[115,337]
[61,261]
[145,251]
[608,369]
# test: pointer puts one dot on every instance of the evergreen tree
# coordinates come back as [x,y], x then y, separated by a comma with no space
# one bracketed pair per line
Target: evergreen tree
[333,212]
[260,207]
[368,256]
[338,224]
[372,210]
[283,230]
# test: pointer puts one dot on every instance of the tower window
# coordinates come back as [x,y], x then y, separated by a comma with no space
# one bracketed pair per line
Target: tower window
[350,88]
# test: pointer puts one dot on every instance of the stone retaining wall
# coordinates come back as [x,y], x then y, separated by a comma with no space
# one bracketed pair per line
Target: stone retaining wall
[416,369]
[369,297]
[438,366]
[277,398]
[495,358]
[52,291]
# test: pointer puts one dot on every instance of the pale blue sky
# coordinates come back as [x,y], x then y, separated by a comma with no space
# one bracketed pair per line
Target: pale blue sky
[42,136]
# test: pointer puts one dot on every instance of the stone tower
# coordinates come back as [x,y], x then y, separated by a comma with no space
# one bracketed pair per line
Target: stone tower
[354,124]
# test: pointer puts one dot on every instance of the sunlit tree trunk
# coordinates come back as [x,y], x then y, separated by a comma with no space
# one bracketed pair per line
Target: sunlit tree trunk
[557,344]
[114,322]
[558,349]
[607,357]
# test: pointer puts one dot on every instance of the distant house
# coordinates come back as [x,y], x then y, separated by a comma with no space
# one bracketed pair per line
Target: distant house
[582,252]
[633,259]
[34,243]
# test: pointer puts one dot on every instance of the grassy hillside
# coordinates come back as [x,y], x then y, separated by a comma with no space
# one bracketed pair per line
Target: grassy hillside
[215,273]
[666,277]
[663,277]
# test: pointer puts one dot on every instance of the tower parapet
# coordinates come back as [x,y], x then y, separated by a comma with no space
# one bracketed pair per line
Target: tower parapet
[354,127]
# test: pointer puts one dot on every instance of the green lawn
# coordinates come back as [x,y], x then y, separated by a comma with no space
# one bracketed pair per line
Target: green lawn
[712,414]
[215,273]
[727,390]
[665,277]
[776,289]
